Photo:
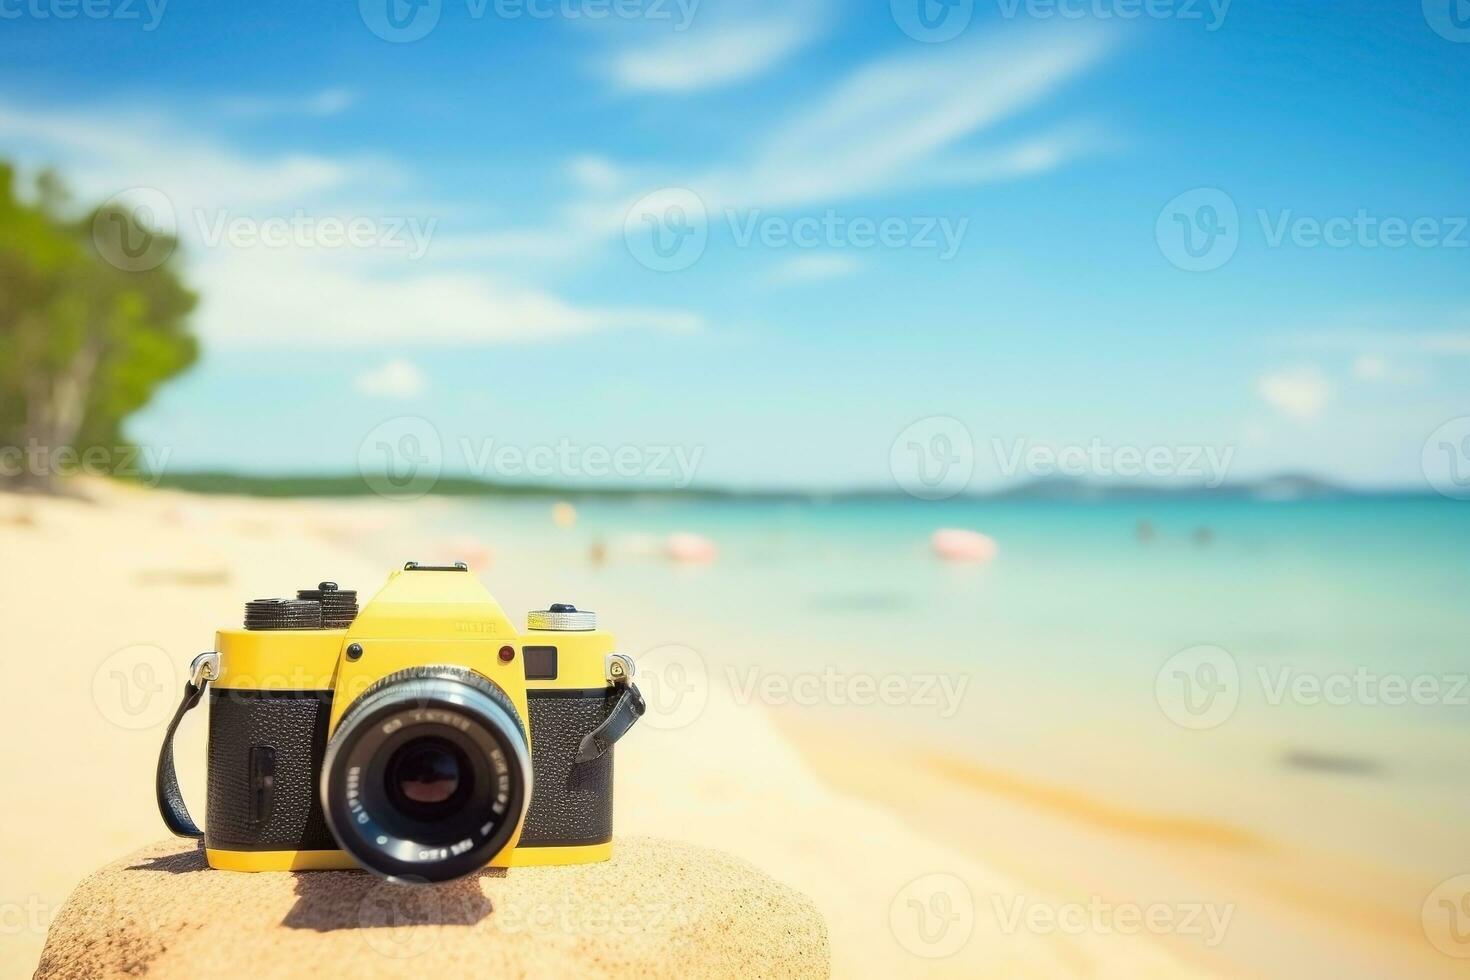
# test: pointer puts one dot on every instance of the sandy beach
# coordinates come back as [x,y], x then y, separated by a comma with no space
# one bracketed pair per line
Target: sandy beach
[107,599]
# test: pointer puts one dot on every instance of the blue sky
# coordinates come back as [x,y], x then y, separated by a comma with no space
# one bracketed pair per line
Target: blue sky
[503,170]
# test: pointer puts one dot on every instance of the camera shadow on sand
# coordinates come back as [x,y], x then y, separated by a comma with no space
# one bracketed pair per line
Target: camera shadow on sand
[175,864]
[330,900]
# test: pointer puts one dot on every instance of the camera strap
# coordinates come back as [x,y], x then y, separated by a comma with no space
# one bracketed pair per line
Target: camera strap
[628,709]
[170,798]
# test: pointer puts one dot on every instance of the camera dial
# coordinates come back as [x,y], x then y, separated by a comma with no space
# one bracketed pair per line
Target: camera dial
[562,616]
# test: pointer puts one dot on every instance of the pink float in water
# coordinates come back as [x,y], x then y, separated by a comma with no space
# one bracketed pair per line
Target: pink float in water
[957,544]
[692,548]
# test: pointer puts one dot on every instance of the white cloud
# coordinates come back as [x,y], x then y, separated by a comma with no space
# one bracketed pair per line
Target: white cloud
[595,173]
[397,379]
[722,54]
[710,43]
[1299,393]
[1370,367]
[1451,342]
[897,124]
[307,298]
[102,153]
[320,104]
[813,268]
[303,296]
[892,124]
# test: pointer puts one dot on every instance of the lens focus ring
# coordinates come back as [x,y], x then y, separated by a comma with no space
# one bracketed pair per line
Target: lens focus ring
[452,710]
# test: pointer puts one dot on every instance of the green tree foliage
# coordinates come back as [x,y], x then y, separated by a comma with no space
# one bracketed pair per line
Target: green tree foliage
[86,336]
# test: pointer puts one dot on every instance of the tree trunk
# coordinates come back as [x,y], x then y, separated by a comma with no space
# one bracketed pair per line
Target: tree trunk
[55,410]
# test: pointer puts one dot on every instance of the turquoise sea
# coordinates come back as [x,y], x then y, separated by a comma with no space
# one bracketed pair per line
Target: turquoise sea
[1346,624]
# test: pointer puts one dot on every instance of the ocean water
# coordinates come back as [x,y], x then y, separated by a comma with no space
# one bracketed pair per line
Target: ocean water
[1256,661]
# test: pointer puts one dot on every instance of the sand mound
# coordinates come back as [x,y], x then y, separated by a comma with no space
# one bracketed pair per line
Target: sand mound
[658,909]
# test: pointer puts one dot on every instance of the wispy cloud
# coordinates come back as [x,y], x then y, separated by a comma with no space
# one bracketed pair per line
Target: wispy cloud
[900,123]
[397,379]
[305,298]
[719,45]
[104,152]
[1431,343]
[326,102]
[815,268]
[1298,393]
[294,292]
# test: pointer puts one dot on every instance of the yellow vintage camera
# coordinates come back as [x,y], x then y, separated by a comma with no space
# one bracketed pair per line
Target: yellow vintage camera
[422,738]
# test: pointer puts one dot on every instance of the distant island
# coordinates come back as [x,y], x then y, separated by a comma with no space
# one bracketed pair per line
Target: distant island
[1057,489]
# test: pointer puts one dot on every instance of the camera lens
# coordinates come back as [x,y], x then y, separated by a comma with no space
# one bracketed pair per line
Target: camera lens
[428,777]
[428,774]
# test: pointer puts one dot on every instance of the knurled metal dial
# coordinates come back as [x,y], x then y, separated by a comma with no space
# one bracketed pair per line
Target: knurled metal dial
[563,617]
